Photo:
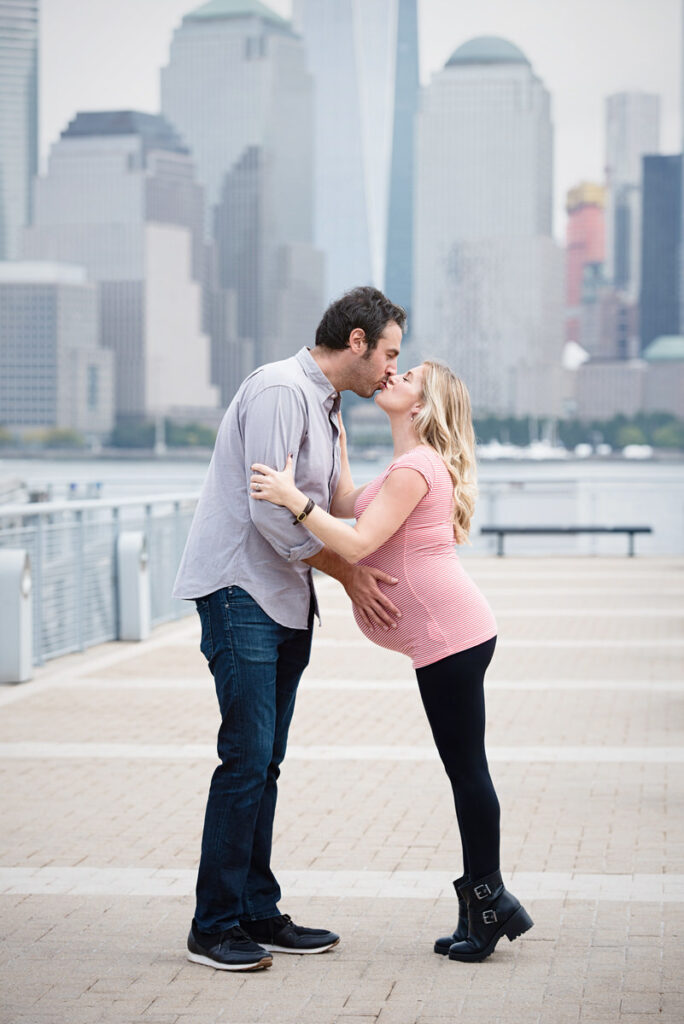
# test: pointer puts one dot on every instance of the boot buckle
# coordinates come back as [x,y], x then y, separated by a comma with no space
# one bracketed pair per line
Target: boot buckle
[482,891]
[489,917]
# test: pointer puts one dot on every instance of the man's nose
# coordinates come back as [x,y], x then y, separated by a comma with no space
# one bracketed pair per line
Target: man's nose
[391,369]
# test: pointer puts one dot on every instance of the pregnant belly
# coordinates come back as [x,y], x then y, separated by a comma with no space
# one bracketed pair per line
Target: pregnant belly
[399,639]
[442,610]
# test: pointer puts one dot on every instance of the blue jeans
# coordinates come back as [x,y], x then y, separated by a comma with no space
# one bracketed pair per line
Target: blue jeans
[256,664]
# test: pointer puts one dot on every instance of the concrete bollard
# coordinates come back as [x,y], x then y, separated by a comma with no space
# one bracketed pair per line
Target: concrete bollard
[16,619]
[134,586]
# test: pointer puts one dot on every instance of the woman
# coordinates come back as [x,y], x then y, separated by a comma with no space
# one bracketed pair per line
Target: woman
[406,522]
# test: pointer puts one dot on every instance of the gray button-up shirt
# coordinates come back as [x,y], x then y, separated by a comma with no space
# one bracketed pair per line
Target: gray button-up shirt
[234,540]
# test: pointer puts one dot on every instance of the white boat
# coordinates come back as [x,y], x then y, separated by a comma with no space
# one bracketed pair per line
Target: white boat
[637,451]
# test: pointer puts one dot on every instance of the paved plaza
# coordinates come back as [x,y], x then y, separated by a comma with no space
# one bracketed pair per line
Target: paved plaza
[106,757]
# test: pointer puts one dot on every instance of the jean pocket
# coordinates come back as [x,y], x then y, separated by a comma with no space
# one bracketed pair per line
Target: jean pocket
[254,635]
[207,640]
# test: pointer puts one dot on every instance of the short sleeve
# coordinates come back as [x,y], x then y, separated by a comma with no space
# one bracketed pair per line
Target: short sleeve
[420,460]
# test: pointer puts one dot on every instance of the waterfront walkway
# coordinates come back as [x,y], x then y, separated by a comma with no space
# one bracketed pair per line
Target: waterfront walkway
[105,760]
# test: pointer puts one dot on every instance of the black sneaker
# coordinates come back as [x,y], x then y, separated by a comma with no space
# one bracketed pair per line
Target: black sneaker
[231,950]
[281,935]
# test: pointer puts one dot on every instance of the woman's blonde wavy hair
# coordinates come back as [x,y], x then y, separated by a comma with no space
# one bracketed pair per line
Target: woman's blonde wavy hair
[445,423]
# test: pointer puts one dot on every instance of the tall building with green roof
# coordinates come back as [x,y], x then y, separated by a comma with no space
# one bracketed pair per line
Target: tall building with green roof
[221,10]
[664,377]
[488,275]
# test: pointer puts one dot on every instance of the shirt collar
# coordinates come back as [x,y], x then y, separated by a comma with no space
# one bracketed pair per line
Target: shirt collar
[316,375]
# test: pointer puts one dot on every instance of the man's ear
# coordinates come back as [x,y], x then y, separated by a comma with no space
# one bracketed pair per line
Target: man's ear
[357,341]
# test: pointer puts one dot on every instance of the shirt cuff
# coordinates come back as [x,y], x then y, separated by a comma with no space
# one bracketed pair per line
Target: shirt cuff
[311,546]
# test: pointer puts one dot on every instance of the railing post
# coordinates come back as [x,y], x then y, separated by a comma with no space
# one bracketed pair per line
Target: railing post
[116,582]
[80,589]
[494,504]
[500,544]
[178,541]
[16,640]
[134,586]
[37,591]
[150,549]
[149,520]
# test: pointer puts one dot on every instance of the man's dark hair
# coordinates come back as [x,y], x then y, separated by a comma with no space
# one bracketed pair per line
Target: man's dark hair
[363,307]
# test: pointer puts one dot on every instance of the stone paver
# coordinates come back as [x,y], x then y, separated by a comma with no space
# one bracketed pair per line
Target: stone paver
[78,947]
[553,716]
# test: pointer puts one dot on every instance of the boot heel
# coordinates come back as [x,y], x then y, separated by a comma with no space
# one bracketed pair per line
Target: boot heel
[519,923]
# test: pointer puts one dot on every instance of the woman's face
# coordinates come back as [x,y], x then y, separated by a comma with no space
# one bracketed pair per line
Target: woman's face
[403,392]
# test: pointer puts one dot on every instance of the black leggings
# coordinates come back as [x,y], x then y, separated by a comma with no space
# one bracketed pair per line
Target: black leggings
[452,691]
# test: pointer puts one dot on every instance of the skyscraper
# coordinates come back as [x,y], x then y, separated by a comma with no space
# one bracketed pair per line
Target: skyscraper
[53,372]
[681,147]
[585,248]
[632,131]
[363,55]
[341,216]
[488,277]
[18,119]
[661,247]
[237,90]
[120,199]
[399,248]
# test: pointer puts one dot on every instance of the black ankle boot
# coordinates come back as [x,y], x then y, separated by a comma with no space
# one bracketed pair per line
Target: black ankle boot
[444,944]
[492,913]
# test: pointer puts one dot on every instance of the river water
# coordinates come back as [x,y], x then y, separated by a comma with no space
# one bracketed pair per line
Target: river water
[569,492]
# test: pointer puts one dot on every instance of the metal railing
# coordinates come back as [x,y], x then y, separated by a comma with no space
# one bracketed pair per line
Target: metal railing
[72,548]
[72,545]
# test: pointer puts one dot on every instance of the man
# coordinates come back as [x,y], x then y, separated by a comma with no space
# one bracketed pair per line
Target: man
[247,564]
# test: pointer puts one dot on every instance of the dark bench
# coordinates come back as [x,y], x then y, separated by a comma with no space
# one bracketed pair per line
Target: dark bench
[501,532]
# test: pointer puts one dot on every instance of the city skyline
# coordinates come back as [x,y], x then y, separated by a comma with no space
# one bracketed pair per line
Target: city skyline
[116,51]
[244,95]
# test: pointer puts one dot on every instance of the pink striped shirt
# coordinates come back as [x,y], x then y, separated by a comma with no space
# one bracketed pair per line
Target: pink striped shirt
[443,612]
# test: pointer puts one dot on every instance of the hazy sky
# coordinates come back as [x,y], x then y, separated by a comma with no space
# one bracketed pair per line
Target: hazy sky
[106,54]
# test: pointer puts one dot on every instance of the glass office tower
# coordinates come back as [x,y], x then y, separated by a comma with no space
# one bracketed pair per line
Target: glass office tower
[18,118]
[363,56]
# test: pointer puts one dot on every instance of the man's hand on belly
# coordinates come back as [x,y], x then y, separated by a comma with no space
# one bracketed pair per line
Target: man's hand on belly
[375,608]
[361,584]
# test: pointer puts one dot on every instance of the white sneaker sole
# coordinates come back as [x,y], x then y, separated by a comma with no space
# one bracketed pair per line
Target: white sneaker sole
[298,952]
[197,958]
